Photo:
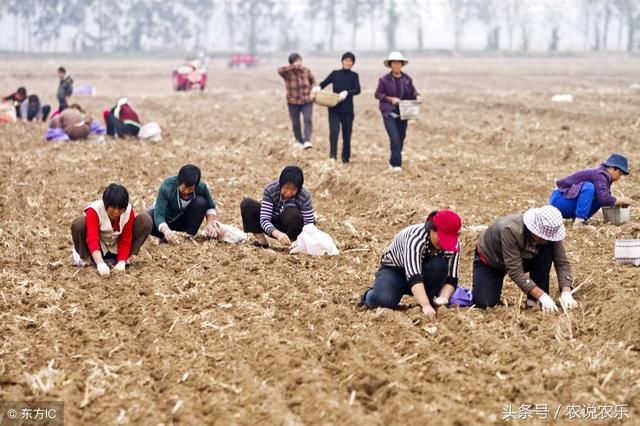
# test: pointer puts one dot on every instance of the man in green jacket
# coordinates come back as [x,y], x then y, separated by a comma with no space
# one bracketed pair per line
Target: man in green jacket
[65,89]
[183,202]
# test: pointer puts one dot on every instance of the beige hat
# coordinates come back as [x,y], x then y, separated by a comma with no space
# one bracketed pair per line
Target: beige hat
[395,56]
[545,222]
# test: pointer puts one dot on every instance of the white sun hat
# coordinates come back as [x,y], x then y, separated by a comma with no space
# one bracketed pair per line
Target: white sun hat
[395,56]
[546,223]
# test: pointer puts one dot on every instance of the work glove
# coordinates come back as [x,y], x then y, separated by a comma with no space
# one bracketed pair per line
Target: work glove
[120,266]
[547,304]
[103,269]
[315,89]
[419,99]
[169,235]
[343,95]
[567,300]
[441,301]
[213,230]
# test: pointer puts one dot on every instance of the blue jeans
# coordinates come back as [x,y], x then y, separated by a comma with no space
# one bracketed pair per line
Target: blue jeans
[391,283]
[583,206]
[397,131]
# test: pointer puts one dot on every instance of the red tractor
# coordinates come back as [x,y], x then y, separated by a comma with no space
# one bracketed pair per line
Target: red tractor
[190,75]
[243,61]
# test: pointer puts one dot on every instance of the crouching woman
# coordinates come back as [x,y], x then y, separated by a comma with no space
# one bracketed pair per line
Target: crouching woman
[422,260]
[110,231]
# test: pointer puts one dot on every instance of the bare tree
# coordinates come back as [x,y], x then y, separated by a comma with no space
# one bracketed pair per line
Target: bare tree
[522,15]
[353,15]
[327,10]
[461,11]
[417,10]
[373,10]
[487,12]
[628,10]
[391,28]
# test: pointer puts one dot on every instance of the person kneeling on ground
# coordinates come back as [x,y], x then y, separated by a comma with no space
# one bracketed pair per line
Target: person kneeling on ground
[421,260]
[122,120]
[580,195]
[286,207]
[73,122]
[520,243]
[31,109]
[109,230]
[17,99]
[183,202]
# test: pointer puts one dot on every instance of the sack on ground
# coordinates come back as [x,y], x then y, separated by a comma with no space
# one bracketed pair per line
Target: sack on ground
[150,131]
[232,235]
[314,242]
[461,297]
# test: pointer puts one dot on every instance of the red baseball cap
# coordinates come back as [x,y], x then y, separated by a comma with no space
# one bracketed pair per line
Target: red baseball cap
[448,224]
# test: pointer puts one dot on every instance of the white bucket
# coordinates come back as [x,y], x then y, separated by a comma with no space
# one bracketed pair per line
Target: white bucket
[616,215]
[409,110]
[628,252]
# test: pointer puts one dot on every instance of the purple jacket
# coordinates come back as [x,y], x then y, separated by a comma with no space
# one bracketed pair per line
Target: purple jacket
[387,87]
[600,178]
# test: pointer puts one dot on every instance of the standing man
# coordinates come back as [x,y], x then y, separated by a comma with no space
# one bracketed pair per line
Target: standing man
[346,83]
[65,89]
[183,202]
[298,82]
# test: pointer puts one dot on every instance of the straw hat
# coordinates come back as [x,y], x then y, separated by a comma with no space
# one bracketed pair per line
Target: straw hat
[395,56]
[546,223]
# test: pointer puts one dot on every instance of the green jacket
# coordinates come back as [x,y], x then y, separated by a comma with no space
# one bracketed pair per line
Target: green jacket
[167,205]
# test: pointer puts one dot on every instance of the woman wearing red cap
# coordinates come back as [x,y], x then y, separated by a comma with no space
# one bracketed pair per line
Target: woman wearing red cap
[421,260]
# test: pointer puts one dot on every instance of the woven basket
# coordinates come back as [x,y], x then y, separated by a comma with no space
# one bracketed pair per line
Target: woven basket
[328,99]
[616,215]
[409,110]
[628,252]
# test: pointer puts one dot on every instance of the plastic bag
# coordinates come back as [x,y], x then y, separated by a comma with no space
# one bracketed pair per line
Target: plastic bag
[461,297]
[314,242]
[232,235]
[150,131]
[7,113]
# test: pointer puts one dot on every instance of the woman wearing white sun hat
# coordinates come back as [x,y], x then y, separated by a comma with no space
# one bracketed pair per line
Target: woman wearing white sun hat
[520,243]
[392,88]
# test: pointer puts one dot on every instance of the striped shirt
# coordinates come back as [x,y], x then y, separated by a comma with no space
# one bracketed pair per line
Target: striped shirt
[410,248]
[273,206]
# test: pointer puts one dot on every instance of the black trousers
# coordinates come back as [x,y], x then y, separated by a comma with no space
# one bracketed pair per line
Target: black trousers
[189,221]
[336,120]
[116,128]
[290,222]
[391,283]
[487,280]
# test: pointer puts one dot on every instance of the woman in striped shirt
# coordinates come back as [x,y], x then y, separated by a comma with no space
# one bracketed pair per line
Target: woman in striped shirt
[286,207]
[422,260]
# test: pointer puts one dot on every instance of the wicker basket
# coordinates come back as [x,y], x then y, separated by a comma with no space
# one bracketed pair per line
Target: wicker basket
[328,99]
[409,110]
[628,252]
[616,215]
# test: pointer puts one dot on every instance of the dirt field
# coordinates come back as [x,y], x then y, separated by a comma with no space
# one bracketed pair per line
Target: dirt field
[219,334]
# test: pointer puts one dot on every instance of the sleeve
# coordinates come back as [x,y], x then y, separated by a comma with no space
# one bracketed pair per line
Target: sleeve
[160,208]
[603,191]
[454,266]
[413,92]
[562,266]
[413,261]
[513,261]
[93,230]
[283,71]
[308,212]
[356,87]
[126,237]
[327,81]
[266,211]
[211,204]
[24,110]
[380,92]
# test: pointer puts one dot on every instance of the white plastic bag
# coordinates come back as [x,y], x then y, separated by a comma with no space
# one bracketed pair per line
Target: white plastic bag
[150,131]
[314,242]
[232,235]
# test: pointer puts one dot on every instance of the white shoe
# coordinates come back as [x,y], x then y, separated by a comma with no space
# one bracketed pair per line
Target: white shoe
[307,145]
[395,168]
[77,260]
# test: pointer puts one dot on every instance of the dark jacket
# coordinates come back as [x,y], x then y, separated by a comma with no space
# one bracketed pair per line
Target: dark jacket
[343,80]
[387,87]
[600,178]
[507,242]
[65,88]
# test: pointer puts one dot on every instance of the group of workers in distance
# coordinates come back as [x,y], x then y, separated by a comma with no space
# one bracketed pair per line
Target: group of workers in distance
[393,87]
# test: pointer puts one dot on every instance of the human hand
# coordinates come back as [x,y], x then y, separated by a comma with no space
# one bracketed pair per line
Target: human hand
[567,300]
[103,269]
[171,237]
[547,304]
[213,230]
[441,301]
[429,311]
[624,201]
[121,266]
[419,99]
[394,101]
[315,89]
[343,95]
[282,238]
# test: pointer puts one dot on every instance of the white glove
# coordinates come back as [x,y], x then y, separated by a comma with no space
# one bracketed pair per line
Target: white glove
[213,230]
[547,304]
[567,300]
[169,235]
[343,95]
[315,89]
[441,301]
[120,266]
[103,269]
[419,99]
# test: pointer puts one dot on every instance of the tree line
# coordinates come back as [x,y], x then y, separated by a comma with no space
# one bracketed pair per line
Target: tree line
[266,25]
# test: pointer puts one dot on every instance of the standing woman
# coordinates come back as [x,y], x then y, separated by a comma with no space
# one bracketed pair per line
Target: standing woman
[298,81]
[347,84]
[392,88]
